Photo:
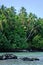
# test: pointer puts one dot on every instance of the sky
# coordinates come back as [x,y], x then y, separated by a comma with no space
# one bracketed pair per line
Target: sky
[34,6]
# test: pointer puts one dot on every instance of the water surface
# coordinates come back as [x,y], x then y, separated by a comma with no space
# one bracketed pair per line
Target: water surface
[21,62]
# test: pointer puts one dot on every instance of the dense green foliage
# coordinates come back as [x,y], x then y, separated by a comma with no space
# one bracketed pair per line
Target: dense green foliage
[20,31]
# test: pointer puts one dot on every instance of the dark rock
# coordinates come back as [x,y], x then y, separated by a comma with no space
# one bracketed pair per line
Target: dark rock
[8,56]
[36,59]
[2,57]
[29,59]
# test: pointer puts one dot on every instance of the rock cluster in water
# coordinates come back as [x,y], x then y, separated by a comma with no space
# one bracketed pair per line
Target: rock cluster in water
[29,59]
[11,56]
[8,56]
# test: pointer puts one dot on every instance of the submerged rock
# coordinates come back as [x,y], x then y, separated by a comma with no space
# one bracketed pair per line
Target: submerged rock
[8,56]
[29,59]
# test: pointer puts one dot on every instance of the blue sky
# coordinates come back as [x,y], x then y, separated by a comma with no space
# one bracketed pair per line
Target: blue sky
[34,6]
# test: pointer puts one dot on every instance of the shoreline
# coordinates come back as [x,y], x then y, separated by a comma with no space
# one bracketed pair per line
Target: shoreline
[22,50]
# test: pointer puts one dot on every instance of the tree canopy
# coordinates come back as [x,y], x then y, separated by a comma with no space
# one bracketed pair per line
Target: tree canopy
[20,31]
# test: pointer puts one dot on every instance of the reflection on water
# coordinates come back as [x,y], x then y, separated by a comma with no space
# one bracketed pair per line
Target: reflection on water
[21,62]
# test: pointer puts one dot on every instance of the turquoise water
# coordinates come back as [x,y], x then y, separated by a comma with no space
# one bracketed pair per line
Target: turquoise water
[21,62]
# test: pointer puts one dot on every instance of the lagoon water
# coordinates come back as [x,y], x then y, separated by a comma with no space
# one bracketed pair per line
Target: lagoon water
[21,62]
